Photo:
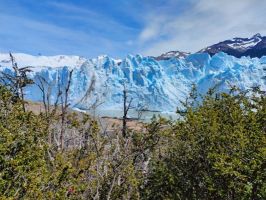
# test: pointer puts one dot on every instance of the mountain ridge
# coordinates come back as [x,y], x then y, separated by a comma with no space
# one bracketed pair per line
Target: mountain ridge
[254,46]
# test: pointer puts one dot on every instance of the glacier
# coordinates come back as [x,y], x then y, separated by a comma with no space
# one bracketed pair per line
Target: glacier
[156,85]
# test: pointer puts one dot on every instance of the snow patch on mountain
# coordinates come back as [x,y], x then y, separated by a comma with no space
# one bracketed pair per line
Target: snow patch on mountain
[171,54]
[240,43]
[253,47]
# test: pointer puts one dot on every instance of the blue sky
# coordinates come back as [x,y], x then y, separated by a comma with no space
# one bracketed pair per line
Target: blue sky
[120,27]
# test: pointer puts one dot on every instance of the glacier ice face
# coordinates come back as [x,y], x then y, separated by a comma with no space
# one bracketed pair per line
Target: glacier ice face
[152,84]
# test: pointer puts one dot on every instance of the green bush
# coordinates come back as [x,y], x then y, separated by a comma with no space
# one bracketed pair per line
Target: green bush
[217,151]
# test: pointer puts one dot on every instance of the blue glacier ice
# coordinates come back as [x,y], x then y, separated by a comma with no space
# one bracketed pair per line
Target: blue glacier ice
[153,85]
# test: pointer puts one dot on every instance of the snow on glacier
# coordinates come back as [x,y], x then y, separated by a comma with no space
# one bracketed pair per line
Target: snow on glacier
[153,85]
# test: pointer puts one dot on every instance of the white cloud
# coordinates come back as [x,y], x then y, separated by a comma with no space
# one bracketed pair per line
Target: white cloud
[153,29]
[149,33]
[204,23]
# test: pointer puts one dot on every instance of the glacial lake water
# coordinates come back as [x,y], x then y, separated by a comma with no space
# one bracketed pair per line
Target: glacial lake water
[145,116]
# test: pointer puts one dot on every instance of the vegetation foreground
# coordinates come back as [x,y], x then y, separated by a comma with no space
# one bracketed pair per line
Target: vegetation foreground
[217,150]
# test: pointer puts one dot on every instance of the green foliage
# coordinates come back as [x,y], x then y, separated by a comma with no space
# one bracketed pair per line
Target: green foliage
[22,147]
[216,152]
